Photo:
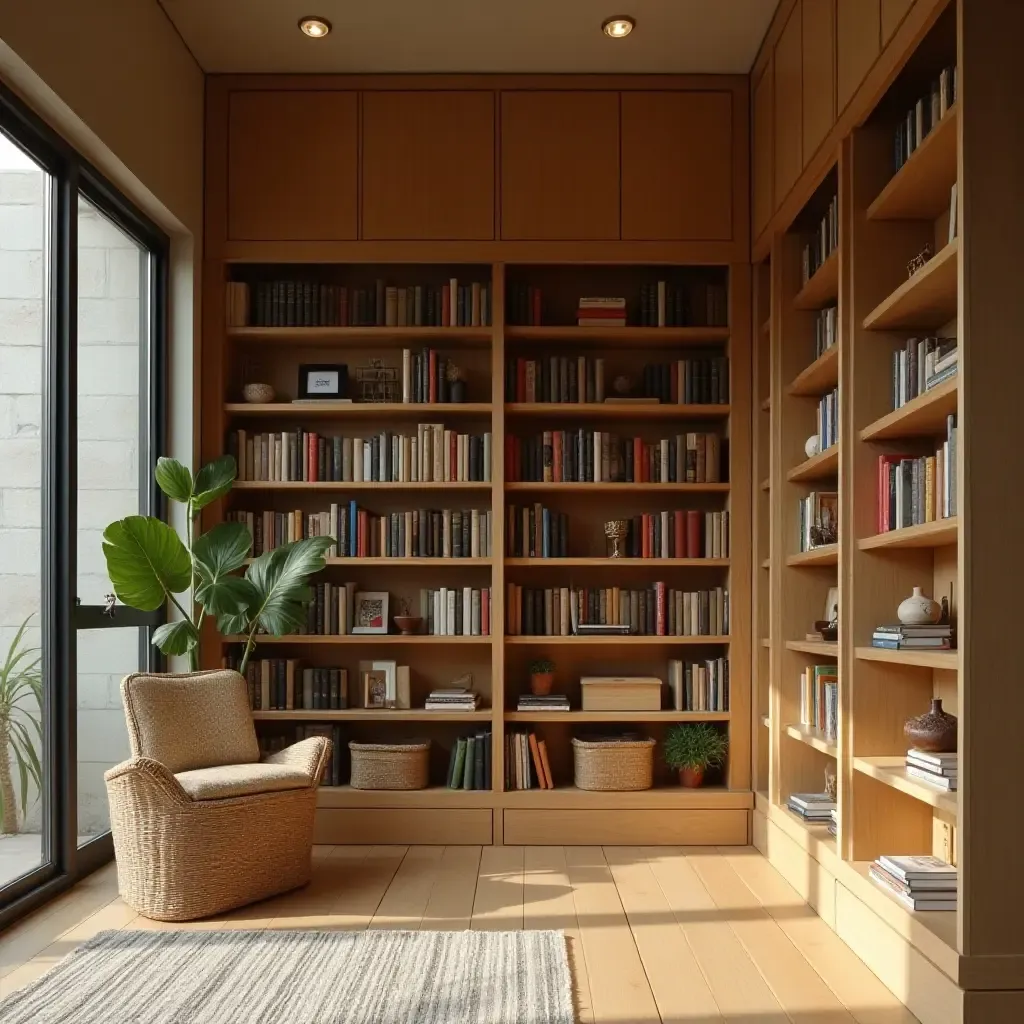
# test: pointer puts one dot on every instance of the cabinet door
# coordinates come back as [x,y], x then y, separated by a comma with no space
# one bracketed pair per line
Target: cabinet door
[788,106]
[559,165]
[857,45]
[819,81]
[677,165]
[428,165]
[763,168]
[292,166]
[893,12]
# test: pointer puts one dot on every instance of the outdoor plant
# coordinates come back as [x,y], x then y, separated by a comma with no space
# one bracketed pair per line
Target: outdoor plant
[149,565]
[697,746]
[21,732]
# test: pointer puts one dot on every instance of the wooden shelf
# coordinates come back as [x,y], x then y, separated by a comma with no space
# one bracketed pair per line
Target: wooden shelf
[358,337]
[575,717]
[649,337]
[920,189]
[820,377]
[364,485]
[616,563]
[809,834]
[309,640]
[924,416]
[615,641]
[819,467]
[432,796]
[812,738]
[419,563]
[891,771]
[819,648]
[927,300]
[948,660]
[356,410]
[611,488]
[941,533]
[374,715]
[658,798]
[823,288]
[826,554]
[616,410]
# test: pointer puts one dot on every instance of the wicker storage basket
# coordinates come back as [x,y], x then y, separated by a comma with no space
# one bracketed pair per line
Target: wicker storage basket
[390,765]
[613,765]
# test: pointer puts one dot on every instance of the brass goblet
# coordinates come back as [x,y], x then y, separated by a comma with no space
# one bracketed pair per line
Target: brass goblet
[616,530]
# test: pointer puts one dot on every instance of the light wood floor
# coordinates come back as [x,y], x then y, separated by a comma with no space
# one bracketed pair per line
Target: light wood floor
[699,935]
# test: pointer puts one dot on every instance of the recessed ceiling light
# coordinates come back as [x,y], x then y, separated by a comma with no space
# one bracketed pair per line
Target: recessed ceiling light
[618,27]
[314,27]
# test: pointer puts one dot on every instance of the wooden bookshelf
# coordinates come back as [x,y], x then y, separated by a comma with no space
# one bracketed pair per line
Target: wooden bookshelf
[641,337]
[926,300]
[615,563]
[825,554]
[598,411]
[373,715]
[947,660]
[357,410]
[812,738]
[938,534]
[389,337]
[611,717]
[363,639]
[366,485]
[823,287]
[822,375]
[819,648]
[526,486]
[613,641]
[924,416]
[818,467]
[891,771]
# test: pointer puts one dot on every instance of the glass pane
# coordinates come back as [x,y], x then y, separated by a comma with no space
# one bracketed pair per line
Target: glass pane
[24,288]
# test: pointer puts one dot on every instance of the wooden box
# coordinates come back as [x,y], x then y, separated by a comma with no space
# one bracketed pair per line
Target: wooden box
[621,693]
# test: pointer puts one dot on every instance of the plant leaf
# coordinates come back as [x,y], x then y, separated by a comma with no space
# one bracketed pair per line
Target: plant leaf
[174,479]
[146,561]
[213,480]
[280,577]
[232,624]
[178,637]
[217,554]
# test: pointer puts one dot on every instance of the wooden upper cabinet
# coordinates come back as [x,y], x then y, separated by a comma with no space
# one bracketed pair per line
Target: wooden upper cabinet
[292,166]
[677,172]
[819,73]
[559,165]
[763,169]
[893,12]
[858,33]
[788,106]
[428,165]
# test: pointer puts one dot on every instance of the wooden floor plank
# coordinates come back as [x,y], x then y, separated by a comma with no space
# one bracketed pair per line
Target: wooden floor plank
[619,990]
[450,907]
[499,889]
[740,991]
[407,896]
[680,989]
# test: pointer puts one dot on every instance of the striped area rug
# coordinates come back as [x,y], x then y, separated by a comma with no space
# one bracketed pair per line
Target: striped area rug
[304,977]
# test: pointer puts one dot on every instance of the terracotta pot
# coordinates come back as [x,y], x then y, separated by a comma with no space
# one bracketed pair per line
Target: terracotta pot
[541,683]
[408,624]
[934,731]
[691,778]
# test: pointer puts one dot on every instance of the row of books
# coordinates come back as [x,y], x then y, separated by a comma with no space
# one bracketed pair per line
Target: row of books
[427,377]
[456,611]
[596,456]
[818,521]
[416,533]
[819,700]
[900,636]
[833,822]
[432,454]
[917,882]
[310,303]
[703,381]
[469,764]
[273,742]
[651,611]
[915,490]
[452,698]
[678,534]
[823,242]
[924,115]
[526,762]
[826,329]
[667,305]
[816,808]
[940,770]
[699,685]
[284,684]
[922,364]
[828,420]
[533,531]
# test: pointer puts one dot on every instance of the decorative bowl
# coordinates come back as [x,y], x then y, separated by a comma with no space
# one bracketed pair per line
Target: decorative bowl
[828,631]
[409,625]
[258,394]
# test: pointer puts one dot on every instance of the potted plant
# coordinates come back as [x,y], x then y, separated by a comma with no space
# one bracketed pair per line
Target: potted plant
[21,734]
[149,565]
[693,748]
[542,677]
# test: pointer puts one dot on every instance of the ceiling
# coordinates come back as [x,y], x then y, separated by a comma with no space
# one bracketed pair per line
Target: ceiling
[671,36]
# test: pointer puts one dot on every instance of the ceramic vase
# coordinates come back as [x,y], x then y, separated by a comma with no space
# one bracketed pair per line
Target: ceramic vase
[409,625]
[541,683]
[934,731]
[918,609]
[691,778]
[812,446]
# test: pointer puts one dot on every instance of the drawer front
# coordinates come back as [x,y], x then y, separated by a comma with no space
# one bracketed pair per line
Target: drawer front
[727,827]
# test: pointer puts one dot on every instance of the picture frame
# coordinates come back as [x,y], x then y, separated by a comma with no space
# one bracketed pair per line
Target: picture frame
[390,670]
[375,684]
[831,604]
[370,612]
[323,382]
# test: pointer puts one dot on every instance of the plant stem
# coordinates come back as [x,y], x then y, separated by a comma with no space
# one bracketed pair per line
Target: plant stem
[9,824]
[193,654]
[249,647]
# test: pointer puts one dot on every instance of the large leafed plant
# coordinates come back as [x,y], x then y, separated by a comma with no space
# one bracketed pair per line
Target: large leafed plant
[149,565]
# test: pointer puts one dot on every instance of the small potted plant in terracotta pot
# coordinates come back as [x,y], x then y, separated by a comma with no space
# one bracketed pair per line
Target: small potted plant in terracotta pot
[693,748]
[542,677]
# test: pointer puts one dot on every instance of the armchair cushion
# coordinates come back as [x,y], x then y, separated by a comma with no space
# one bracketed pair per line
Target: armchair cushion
[241,780]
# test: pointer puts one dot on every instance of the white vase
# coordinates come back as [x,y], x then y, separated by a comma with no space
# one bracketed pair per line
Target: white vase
[812,446]
[918,609]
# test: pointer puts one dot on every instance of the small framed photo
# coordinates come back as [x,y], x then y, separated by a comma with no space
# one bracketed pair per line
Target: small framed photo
[370,614]
[323,380]
[375,689]
[390,670]
[832,605]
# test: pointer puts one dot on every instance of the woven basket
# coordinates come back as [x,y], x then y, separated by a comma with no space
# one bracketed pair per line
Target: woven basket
[390,765]
[613,766]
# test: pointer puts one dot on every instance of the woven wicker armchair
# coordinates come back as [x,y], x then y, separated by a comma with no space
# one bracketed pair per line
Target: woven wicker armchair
[201,824]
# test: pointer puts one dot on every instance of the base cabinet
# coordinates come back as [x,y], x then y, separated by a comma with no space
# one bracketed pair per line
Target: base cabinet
[530,827]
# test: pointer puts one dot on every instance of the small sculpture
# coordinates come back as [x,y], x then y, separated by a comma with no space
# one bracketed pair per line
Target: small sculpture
[812,446]
[616,531]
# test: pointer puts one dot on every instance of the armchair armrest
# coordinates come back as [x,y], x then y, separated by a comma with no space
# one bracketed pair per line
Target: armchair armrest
[309,756]
[145,773]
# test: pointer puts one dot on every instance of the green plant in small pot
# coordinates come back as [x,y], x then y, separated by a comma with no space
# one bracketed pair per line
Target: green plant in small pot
[693,748]
[542,677]
[149,566]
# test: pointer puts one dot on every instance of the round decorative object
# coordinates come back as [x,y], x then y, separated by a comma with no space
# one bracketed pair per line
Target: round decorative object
[409,625]
[812,446]
[616,530]
[691,778]
[623,385]
[918,609]
[541,683]
[258,394]
[933,731]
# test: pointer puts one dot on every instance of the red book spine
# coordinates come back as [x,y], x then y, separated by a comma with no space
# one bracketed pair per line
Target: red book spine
[485,611]
[679,534]
[659,620]
[693,547]
[645,550]
[520,380]
[432,370]
[556,457]
[446,305]
[312,449]
[535,307]
[360,534]
[883,495]
[638,460]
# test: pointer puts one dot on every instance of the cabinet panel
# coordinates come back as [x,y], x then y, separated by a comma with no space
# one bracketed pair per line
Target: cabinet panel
[625,827]
[676,165]
[893,12]
[819,82]
[788,105]
[428,165]
[763,169]
[559,165]
[292,166]
[857,45]
[406,826]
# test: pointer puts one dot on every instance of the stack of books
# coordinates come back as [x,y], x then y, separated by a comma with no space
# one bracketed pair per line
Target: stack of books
[901,637]
[918,883]
[946,361]
[452,698]
[940,770]
[816,808]
[833,822]
[549,702]
[599,311]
